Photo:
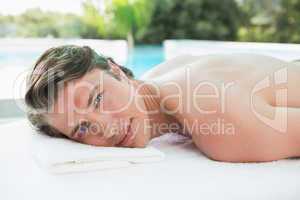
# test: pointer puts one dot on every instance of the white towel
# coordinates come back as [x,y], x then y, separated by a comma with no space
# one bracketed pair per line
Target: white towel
[59,155]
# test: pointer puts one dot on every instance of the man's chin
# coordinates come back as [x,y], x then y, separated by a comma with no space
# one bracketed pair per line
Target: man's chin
[140,145]
[141,141]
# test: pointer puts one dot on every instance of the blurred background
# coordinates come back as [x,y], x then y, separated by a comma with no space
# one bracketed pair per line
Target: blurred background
[146,24]
[151,22]
[143,24]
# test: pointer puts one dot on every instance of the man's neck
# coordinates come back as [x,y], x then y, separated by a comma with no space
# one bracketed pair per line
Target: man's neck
[160,122]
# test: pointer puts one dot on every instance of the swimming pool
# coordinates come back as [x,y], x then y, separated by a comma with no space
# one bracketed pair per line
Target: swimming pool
[142,58]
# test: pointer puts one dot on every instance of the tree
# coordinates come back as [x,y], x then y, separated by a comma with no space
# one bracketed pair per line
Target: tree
[7,26]
[193,19]
[36,23]
[129,17]
[271,21]
[287,22]
[94,22]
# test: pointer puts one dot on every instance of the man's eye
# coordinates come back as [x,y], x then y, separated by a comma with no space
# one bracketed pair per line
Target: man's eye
[82,131]
[97,100]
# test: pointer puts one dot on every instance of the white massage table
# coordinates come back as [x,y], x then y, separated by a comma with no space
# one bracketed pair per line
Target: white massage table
[184,174]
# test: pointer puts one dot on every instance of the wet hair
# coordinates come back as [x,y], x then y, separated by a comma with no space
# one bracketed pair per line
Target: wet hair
[57,64]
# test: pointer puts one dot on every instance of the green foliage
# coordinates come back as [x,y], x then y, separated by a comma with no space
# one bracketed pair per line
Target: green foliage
[36,23]
[119,19]
[288,22]
[6,26]
[193,19]
[93,21]
[271,21]
[152,21]
[129,17]
[258,22]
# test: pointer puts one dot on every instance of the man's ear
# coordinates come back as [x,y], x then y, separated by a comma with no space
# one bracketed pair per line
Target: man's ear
[115,69]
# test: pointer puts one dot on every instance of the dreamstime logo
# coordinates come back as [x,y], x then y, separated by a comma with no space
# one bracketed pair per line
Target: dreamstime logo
[279,122]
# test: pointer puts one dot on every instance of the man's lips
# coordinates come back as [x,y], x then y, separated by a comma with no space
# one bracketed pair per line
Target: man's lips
[127,135]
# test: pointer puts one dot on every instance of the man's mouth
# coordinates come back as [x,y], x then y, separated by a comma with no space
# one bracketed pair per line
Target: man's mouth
[127,136]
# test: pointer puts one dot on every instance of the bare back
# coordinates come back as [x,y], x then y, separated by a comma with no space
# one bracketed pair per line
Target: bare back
[234,106]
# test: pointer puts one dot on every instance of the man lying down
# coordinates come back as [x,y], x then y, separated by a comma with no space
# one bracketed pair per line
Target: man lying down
[236,108]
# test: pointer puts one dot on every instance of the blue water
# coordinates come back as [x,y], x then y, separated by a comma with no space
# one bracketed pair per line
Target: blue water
[143,57]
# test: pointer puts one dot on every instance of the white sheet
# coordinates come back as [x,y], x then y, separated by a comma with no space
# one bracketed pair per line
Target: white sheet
[59,155]
[184,174]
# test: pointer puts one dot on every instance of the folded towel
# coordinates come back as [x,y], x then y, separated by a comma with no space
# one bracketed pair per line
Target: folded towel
[59,155]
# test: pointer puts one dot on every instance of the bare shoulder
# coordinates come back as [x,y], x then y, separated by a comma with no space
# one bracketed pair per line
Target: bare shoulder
[222,64]
[169,65]
[216,60]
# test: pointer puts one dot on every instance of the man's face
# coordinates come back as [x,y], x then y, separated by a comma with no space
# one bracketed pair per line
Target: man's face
[100,110]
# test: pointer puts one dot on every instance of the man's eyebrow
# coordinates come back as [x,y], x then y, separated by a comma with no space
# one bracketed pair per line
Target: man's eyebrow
[92,94]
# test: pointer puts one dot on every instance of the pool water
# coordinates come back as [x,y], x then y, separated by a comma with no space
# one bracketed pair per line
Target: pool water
[144,57]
